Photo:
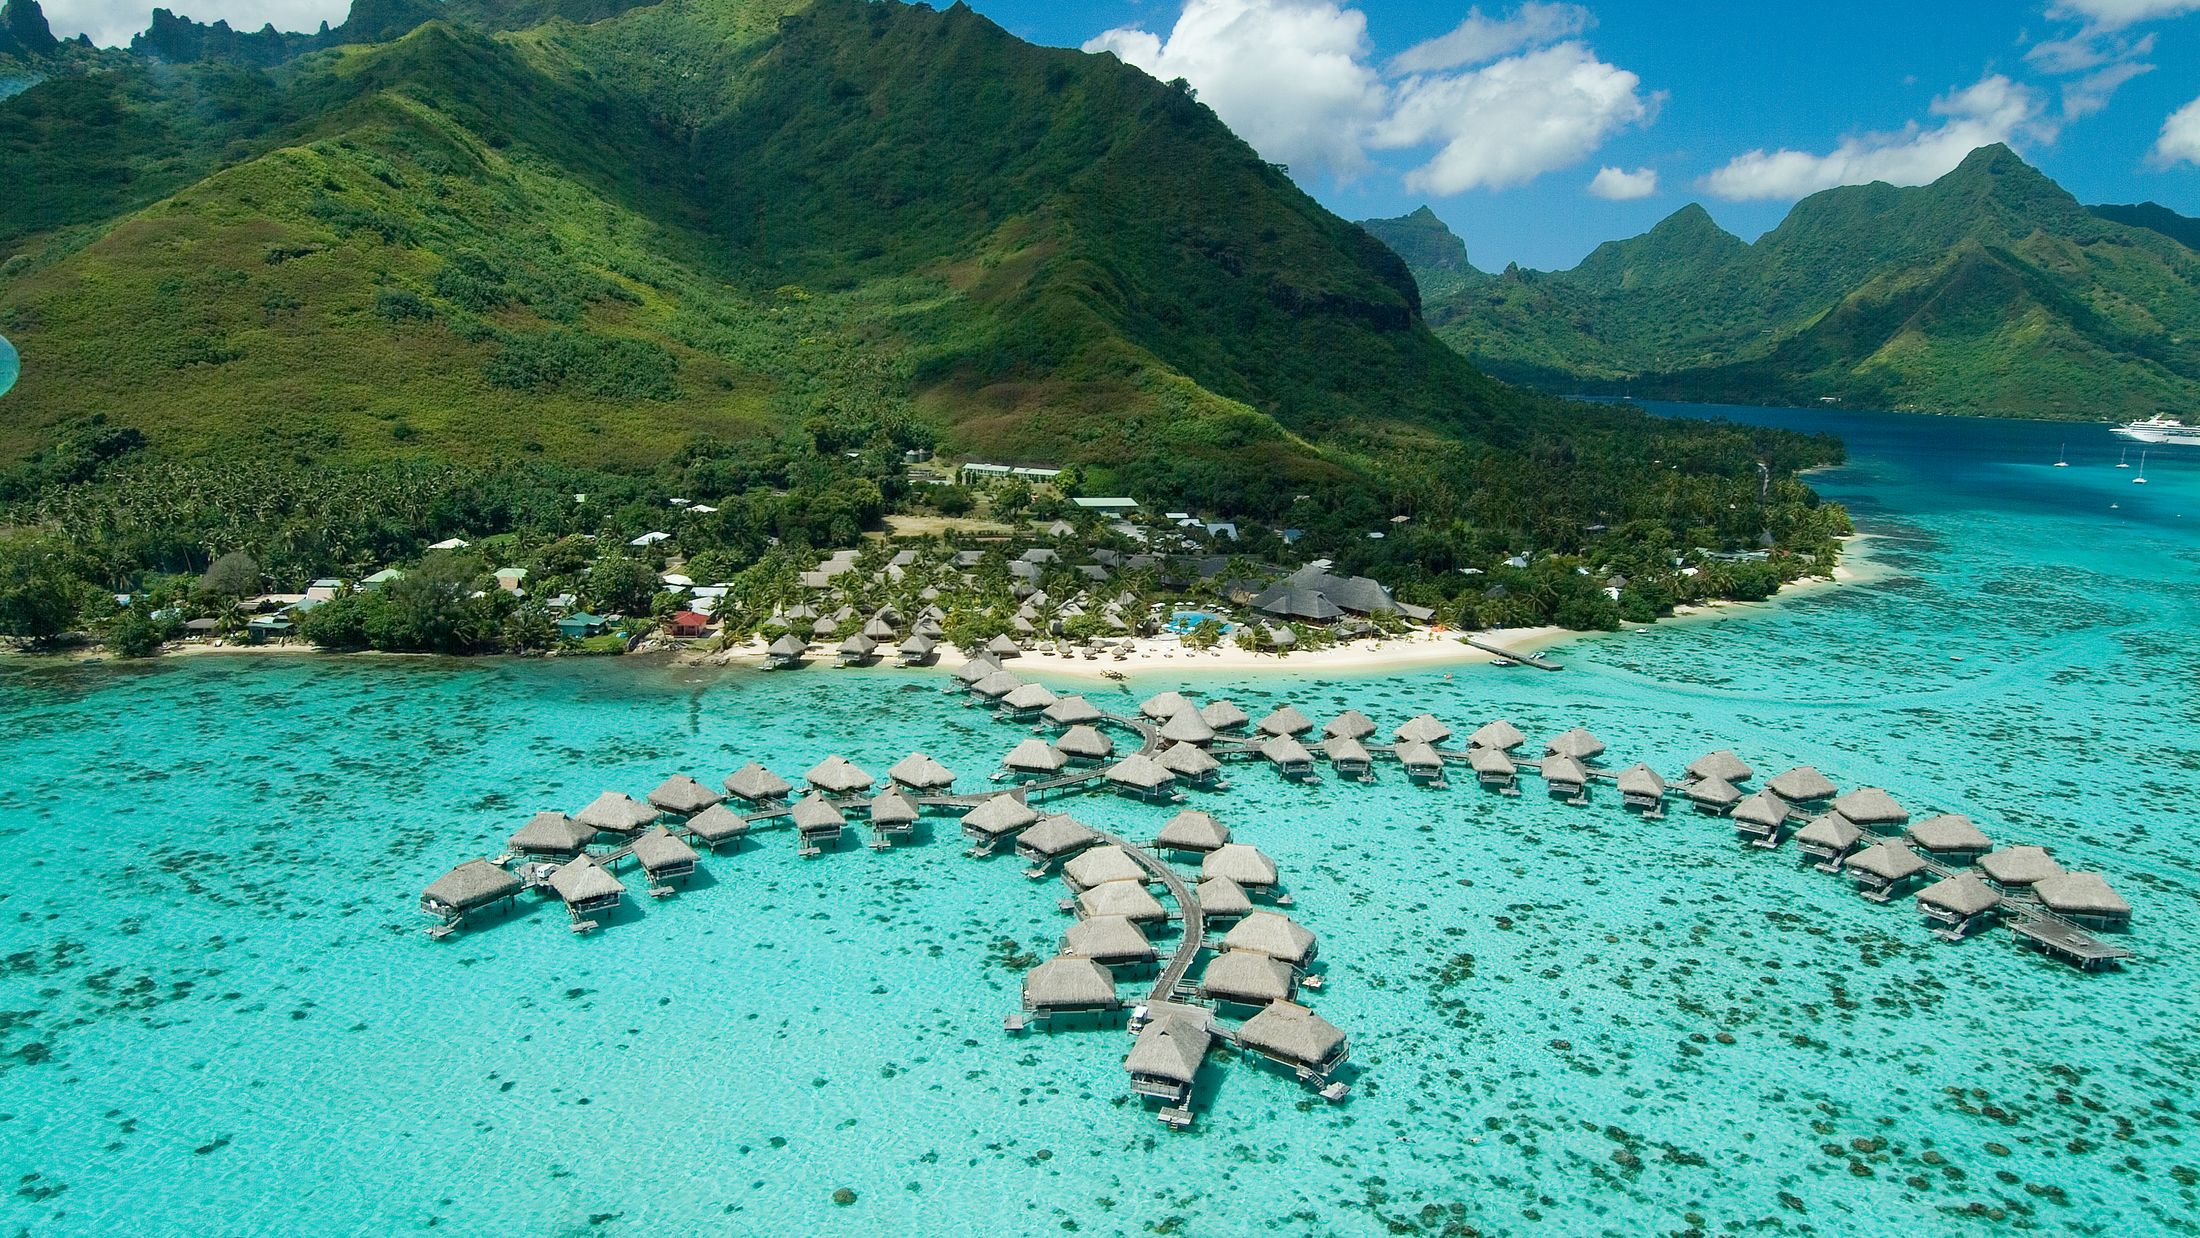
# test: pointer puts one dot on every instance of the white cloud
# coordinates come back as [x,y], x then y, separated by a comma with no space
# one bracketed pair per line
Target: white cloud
[112,22]
[1995,109]
[1479,39]
[2117,14]
[1619,185]
[2180,140]
[2091,93]
[1297,79]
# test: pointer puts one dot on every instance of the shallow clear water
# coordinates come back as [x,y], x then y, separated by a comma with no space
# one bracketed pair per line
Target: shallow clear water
[11,364]
[218,1012]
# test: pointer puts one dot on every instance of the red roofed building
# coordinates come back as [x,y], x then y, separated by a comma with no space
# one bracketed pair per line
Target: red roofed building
[688,623]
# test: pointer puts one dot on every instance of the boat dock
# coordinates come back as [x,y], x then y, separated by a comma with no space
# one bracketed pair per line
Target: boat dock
[1536,660]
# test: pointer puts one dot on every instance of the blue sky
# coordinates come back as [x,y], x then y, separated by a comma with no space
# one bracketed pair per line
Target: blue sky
[1504,117]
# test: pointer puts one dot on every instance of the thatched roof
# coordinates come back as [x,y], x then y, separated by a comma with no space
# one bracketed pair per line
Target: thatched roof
[1243,863]
[837,775]
[1717,792]
[616,812]
[1001,646]
[1111,939]
[1563,770]
[1501,735]
[1286,720]
[657,849]
[975,669]
[1086,743]
[754,782]
[1247,978]
[1351,724]
[552,833]
[1102,865]
[999,815]
[1284,750]
[894,807]
[1831,830]
[812,813]
[1949,831]
[476,883]
[683,795]
[582,880]
[1224,715]
[1220,896]
[1035,755]
[1187,727]
[717,823]
[2080,894]
[1722,764]
[1343,750]
[1129,899]
[859,646]
[1163,706]
[788,646]
[1187,761]
[1141,771]
[1640,780]
[1292,1033]
[1801,785]
[1273,934]
[1891,860]
[1871,806]
[919,770]
[2019,866]
[1169,1049]
[1577,743]
[1072,711]
[996,685]
[1067,980]
[878,630]
[1029,696]
[1192,830]
[1056,835]
[1492,761]
[1418,754]
[919,644]
[1965,894]
[1423,728]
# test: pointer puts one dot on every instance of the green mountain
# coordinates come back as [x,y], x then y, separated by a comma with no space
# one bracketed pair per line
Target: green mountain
[1436,255]
[2155,217]
[1991,290]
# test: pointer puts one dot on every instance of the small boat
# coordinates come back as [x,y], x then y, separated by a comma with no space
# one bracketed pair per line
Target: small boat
[2141,479]
[2123,458]
[2062,458]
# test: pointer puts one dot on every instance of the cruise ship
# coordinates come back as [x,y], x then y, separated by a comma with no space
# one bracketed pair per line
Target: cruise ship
[2160,429]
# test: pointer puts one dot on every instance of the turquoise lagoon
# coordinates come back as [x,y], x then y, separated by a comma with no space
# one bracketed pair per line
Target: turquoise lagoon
[11,363]
[221,1014]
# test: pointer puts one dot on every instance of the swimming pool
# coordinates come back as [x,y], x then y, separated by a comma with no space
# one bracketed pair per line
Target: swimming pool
[1185,620]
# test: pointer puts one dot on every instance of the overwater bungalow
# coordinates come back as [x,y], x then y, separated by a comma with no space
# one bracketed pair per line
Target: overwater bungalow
[717,825]
[2084,899]
[664,858]
[1035,757]
[1163,706]
[858,650]
[1565,778]
[1494,768]
[786,652]
[1295,1037]
[1247,865]
[1128,899]
[1422,729]
[1712,796]
[920,773]
[1641,789]
[1950,838]
[1101,865]
[1274,934]
[921,649]
[615,812]
[1027,701]
[1351,724]
[1192,830]
[994,819]
[1224,716]
[1723,765]
[586,889]
[1067,984]
[1244,978]
[1285,720]
[550,834]
[1055,838]
[1289,756]
[1187,727]
[996,685]
[1223,899]
[892,813]
[2016,869]
[1346,755]
[837,775]
[469,888]
[1883,868]
[1760,818]
[1002,647]
[1142,776]
[974,669]
[1072,711]
[1802,785]
[1110,941]
[1085,743]
[1421,762]
[1960,905]
[1500,735]
[818,824]
[1578,744]
[1164,1061]
[756,785]
[1873,809]
[1191,763]
[682,796]
[1828,839]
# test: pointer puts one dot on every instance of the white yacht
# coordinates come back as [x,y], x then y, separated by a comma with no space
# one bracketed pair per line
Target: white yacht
[2160,429]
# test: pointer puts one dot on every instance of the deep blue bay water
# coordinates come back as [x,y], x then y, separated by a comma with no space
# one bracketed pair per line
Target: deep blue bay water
[218,1013]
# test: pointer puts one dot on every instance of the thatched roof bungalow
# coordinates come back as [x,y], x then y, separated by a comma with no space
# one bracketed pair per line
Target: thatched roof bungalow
[2083,898]
[1192,830]
[1872,808]
[1101,865]
[757,785]
[1028,701]
[1288,755]
[1291,1034]
[1564,777]
[1802,785]
[1190,762]
[1422,729]
[1110,941]
[997,685]
[1085,743]
[1760,818]
[1711,796]
[1421,761]
[1950,836]
[1164,1060]
[585,887]
[1883,867]
[1493,768]
[1243,863]
[1501,735]
[550,834]
[1163,706]
[817,822]
[1276,935]
[1066,984]
[1960,904]
[997,818]
[1224,716]
[1351,724]
[1285,720]
[893,812]
[1055,837]
[2018,868]
[1223,899]
[682,796]
[467,888]
[1141,775]
[1244,978]
[1128,899]
[837,775]
[1187,727]
[919,772]
[1072,711]
[664,857]
[1723,765]
[1577,743]
[1348,756]
[717,825]
[1034,756]
[615,812]
[1640,787]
